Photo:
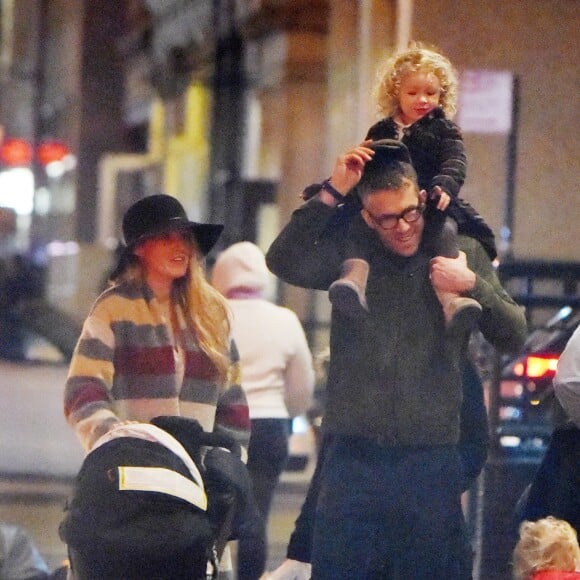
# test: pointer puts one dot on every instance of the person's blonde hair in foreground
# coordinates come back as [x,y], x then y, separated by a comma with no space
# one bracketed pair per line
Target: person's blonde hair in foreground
[547,548]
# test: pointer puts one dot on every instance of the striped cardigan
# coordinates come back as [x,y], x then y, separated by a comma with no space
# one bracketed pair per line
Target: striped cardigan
[123,368]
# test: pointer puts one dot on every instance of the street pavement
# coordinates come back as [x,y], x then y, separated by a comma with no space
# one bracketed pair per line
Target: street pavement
[34,436]
[36,503]
[39,457]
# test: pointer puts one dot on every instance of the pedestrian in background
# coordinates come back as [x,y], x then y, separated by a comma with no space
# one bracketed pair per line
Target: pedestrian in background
[567,379]
[555,488]
[277,376]
[19,556]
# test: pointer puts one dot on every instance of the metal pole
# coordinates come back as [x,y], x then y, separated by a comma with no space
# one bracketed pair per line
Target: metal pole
[363,68]
[37,235]
[477,516]
[507,229]
[404,22]
[228,121]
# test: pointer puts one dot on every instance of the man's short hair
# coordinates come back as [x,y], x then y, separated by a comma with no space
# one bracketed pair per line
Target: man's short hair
[385,175]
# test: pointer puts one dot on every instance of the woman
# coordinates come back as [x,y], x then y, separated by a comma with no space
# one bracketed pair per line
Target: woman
[157,342]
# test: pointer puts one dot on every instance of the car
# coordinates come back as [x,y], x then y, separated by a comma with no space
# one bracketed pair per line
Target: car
[527,410]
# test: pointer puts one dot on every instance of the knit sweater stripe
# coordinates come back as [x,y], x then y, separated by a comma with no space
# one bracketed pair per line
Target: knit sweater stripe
[198,390]
[84,395]
[127,326]
[94,348]
[137,362]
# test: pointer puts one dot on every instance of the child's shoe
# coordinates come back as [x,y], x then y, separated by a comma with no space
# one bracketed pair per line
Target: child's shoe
[348,293]
[461,314]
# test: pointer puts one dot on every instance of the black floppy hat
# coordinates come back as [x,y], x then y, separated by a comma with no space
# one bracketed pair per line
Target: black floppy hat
[160,213]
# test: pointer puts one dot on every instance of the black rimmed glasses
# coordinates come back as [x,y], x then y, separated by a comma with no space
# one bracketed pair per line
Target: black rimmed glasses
[391,221]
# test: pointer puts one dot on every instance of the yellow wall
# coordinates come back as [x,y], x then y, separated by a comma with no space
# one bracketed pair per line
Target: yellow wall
[185,141]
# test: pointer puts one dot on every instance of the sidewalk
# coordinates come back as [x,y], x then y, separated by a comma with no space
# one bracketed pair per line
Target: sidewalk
[37,505]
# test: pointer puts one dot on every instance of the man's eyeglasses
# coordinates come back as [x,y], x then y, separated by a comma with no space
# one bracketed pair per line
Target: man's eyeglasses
[389,222]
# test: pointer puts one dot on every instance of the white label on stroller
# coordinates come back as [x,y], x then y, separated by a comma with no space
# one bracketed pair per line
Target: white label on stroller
[162,480]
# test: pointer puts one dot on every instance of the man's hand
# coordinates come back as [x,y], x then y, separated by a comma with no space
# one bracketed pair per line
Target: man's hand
[349,167]
[452,274]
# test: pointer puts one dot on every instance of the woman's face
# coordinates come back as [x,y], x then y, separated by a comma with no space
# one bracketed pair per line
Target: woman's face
[165,258]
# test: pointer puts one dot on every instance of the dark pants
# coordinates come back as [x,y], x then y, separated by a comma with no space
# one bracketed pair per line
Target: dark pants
[555,489]
[267,457]
[388,513]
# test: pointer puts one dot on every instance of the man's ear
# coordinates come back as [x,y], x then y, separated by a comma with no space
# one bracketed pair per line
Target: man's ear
[365,215]
[422,196]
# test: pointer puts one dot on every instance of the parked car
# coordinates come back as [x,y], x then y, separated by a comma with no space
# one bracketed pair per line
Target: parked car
[527,407]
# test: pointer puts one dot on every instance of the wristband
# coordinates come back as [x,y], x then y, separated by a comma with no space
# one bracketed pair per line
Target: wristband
[315,188]
[327,186]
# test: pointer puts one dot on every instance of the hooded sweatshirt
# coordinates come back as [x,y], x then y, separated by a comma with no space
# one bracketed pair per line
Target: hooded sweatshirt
[275,360]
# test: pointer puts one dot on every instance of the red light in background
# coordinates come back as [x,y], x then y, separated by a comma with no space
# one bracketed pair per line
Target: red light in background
[537,366]
[51,151]
[16,152]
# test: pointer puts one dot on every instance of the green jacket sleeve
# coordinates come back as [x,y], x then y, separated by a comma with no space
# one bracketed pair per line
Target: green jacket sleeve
[503,323]
[307,252]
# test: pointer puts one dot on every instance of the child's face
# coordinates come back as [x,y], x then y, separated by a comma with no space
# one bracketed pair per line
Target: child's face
[418,95]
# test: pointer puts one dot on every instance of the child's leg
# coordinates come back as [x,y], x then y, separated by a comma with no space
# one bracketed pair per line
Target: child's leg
[348,293]
[461,313]
[446,243]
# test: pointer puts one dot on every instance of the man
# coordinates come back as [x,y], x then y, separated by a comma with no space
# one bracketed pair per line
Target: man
[473,447]
[389,503]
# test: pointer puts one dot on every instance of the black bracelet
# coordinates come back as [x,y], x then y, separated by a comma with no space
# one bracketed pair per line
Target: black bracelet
[327,186]
[315,188]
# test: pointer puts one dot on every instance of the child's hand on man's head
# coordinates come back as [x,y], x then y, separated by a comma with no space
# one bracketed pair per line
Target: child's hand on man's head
[441,196]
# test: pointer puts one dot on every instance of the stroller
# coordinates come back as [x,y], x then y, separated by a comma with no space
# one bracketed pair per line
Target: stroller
[156,501]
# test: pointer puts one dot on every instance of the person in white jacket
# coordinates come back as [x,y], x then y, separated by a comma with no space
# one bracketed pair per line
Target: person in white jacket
[567,379]
[277,377]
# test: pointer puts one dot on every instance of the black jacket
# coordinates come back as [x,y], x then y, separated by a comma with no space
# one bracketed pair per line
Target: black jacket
[436,148]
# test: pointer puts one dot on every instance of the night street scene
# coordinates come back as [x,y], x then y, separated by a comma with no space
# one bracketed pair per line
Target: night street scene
[351,299]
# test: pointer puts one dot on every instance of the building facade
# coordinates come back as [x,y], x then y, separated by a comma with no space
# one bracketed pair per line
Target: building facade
[233,106]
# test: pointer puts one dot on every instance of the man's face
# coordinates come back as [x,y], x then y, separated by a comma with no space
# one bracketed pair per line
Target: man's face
[404,238]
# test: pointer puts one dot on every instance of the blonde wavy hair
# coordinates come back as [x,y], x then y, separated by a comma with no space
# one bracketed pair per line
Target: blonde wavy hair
[205,310]
[546,544]
[418,57]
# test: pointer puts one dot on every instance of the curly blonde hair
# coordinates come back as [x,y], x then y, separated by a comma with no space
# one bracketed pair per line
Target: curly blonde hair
[205,310]
[546,544]
[418,57]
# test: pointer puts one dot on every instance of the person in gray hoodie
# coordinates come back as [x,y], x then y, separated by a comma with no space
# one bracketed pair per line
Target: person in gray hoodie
[277,376]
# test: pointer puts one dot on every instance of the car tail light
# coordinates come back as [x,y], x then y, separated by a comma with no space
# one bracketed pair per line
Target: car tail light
[537,366]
